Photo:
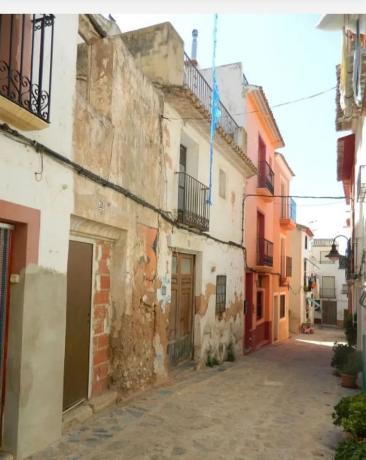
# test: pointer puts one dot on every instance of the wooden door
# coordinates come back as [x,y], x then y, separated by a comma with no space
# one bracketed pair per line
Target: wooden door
[248,339]
[77,342]
[5,250]
[329,312]
[181,309]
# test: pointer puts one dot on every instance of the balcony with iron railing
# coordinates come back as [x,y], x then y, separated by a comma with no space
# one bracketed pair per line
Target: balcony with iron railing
[288,213]
[197,83]
[328,292]
[264,252]
[26,51]
[193,207]
[265,186]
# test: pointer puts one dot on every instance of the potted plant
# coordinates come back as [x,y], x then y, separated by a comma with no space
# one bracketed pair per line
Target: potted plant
[351,449]
[350,413]
[350,369]
[340,354]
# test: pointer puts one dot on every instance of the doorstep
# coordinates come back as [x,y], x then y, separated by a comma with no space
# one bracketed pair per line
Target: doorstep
[87,409]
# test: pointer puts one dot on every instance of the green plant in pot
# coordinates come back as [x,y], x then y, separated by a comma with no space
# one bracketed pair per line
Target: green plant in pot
[350,413]
[350,369]
[340,355]
[351,450]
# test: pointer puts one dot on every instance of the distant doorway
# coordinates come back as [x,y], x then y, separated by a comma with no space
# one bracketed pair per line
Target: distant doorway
[329,312]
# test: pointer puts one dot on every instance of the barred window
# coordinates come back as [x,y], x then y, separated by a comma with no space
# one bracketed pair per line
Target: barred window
[220,293]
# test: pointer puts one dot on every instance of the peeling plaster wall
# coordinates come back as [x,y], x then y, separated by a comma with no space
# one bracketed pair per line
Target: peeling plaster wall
[212,333]
[112,94]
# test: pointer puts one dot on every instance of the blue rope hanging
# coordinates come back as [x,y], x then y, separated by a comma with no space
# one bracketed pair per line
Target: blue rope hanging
[215,108]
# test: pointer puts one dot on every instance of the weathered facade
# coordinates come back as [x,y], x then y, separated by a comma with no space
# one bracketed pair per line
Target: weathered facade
[208,236]
[36,201]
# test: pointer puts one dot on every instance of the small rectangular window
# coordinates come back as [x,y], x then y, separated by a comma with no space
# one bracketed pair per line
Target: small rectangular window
[282,306]
[220,293]
[306,242]
[222,183]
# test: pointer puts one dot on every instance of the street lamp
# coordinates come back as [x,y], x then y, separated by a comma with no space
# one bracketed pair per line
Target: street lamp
[333,253]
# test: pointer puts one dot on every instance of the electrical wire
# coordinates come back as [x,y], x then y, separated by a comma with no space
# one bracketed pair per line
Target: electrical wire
[282,104]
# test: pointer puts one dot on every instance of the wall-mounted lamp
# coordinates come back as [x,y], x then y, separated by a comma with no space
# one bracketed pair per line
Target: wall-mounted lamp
[333,253]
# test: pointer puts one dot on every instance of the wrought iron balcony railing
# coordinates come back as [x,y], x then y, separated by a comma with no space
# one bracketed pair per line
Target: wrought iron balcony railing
[26,51]
[288,209]
[265,176]
[329,293]
[264,252]
[193,206]
[197,83]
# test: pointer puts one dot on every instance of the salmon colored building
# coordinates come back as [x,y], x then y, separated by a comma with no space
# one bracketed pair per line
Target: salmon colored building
[270,215]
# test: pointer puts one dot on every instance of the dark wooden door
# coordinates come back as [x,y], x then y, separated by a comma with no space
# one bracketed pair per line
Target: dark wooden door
[77,343]
[5,250]
[329,312]
[181,309]
[248,345]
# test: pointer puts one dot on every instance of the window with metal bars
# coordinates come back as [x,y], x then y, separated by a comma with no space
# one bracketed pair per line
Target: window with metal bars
[220,293]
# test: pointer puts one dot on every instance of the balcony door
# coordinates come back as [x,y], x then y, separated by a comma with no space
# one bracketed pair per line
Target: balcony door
[182,177]
[260,236]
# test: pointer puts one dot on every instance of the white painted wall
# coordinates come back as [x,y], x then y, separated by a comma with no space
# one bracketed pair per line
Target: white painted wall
[331,269]
[33,407]
[212,258]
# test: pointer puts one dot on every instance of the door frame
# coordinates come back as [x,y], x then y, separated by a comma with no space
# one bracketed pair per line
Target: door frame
[82,239]
[194,254]
[3,377]
[276,317]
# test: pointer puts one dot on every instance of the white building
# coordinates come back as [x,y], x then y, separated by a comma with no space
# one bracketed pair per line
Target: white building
[36,201]
[304,286]
[351,149]
[332,287]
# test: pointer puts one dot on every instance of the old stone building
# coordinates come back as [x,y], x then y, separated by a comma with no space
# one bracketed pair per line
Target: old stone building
[204,247]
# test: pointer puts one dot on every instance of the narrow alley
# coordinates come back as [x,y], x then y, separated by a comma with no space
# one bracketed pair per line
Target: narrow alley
[276,403]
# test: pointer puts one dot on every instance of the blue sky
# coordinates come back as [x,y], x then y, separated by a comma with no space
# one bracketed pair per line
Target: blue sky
[291,59]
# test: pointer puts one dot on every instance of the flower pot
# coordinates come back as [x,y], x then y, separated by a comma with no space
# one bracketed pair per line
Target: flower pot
[348,381]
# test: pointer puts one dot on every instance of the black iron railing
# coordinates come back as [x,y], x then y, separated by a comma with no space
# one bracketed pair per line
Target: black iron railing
[329,293]
[265,176]
[26,52]
[193,206]
[264,252]
[288,209]
[197,83]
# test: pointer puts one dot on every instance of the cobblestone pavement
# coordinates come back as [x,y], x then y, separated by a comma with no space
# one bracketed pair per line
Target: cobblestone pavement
[273,404]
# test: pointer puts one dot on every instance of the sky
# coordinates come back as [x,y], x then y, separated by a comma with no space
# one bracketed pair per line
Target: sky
[291,59]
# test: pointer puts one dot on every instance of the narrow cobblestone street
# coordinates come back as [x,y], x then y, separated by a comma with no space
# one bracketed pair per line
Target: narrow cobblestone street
[273,404]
